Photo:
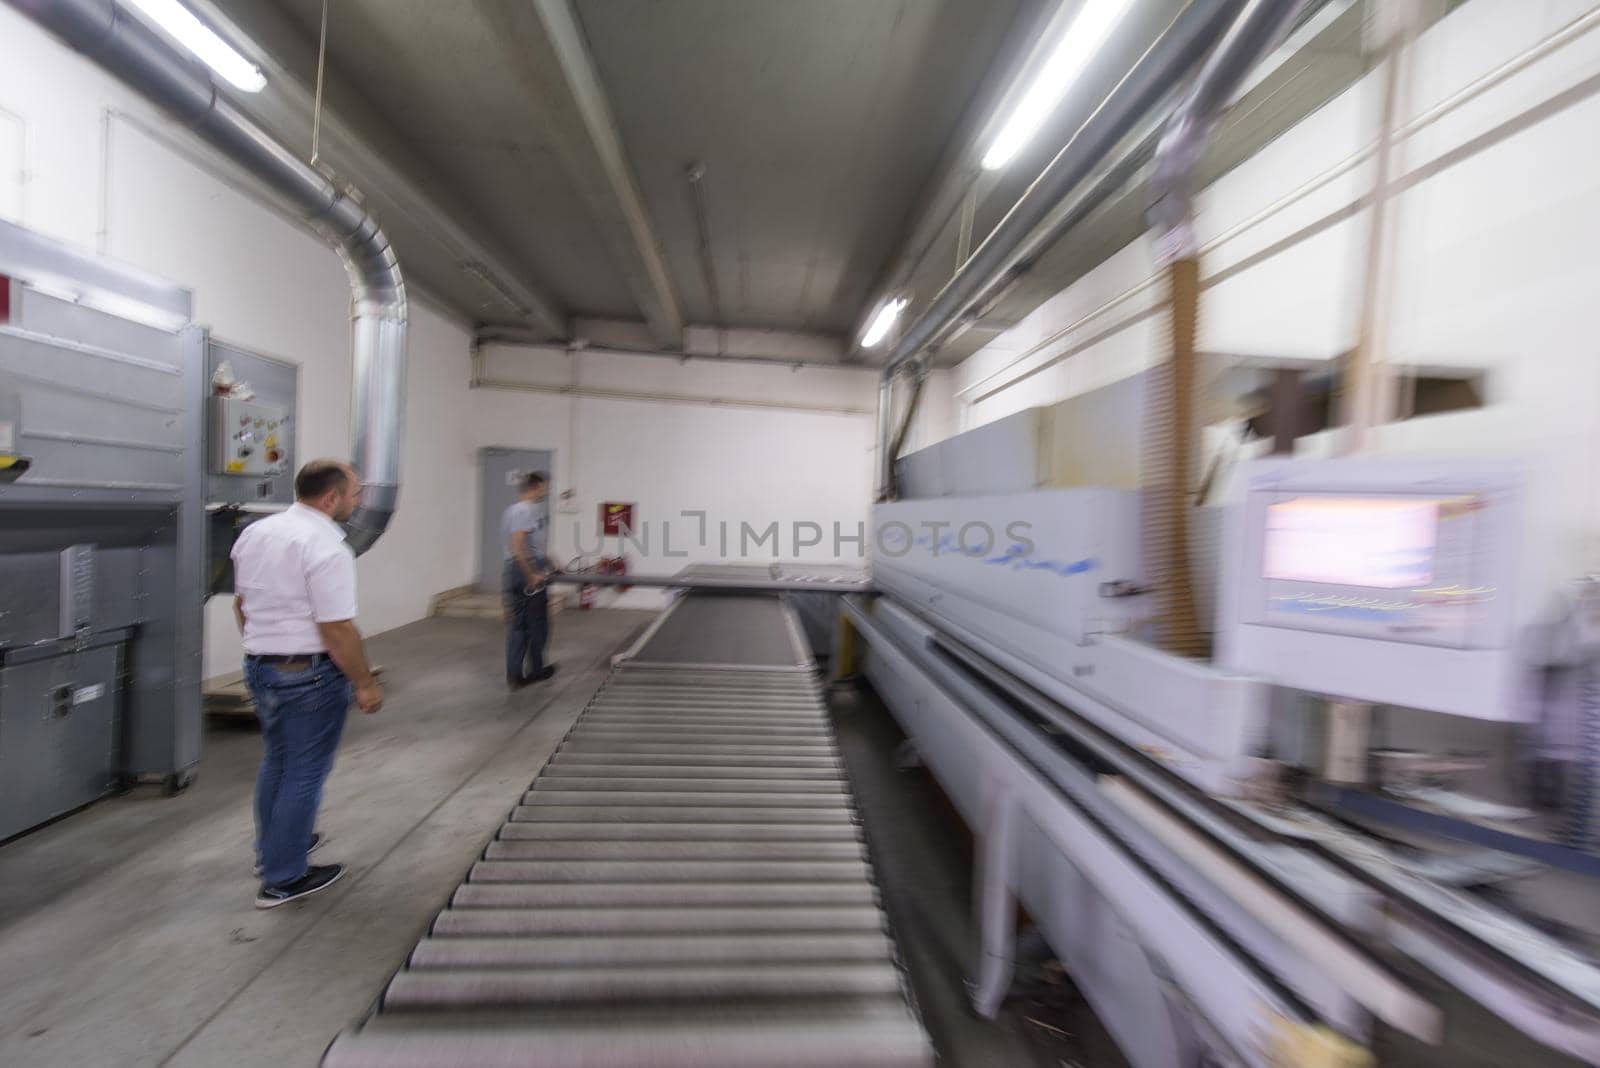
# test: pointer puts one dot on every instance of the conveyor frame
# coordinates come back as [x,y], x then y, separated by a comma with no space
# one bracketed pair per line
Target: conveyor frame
[684,883]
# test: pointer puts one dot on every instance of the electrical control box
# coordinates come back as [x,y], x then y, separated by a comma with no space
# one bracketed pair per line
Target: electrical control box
[248,438]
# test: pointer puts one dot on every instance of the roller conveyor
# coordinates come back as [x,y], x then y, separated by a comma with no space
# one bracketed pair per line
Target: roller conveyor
[685,883]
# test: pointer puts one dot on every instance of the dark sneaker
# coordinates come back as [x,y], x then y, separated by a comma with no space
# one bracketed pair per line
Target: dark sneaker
[317,877]
[317,842]
[544,673]
[516,684]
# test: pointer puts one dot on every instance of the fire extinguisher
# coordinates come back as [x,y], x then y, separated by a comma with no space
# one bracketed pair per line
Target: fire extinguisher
[586,596]
[619,566]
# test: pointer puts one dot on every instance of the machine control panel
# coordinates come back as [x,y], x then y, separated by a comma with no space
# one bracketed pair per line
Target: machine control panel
[248,438]
[1384,581]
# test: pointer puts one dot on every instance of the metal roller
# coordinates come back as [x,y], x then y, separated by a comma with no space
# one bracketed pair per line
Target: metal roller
[676,871]
[707,711]
[704,892]
[754,799]
[665,813]
[684,885]
[773,905]
[638,675]
[562,770]
[735,760]
[703,850]
[689,749]
[609,723]
[755,947]
[712,696]
[755,733]
[504,988]
[802,692]
[669,735]
[890,1038]
[681,832]
[824,787]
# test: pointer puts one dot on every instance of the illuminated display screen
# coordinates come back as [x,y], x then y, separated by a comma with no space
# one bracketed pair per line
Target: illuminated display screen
[1372,542]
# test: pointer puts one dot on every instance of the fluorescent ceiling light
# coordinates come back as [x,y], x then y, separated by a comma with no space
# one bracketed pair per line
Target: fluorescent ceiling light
[205,45]
[1086,34]
[883,321]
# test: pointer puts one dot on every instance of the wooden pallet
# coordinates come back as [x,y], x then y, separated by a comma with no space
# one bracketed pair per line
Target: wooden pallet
[468,603]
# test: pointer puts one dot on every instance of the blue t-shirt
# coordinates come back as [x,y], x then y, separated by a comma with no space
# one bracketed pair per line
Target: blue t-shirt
[526,516]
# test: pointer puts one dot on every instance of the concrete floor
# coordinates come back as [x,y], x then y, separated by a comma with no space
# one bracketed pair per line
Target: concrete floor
[128,936]
[127,931]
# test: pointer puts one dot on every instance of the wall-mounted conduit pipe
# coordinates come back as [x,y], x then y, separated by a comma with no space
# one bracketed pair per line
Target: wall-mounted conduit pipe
[917,373]
[124,46]
[1170,437]
[1006,253]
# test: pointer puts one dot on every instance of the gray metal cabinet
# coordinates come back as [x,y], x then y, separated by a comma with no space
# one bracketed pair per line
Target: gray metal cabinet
[60,720]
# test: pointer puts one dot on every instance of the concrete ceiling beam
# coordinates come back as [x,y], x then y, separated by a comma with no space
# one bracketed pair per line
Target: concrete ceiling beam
[567,100]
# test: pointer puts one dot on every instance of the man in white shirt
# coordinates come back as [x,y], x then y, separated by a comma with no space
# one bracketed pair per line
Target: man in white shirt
[527,571]
[295,583]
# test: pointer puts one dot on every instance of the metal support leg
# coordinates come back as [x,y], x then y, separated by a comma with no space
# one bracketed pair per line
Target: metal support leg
[845,650]
[995,899]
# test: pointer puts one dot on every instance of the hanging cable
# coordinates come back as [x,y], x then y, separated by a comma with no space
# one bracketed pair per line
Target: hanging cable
[316,107]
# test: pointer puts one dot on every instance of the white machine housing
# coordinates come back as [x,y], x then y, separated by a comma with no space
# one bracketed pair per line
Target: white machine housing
[1057,614]
[1387,581]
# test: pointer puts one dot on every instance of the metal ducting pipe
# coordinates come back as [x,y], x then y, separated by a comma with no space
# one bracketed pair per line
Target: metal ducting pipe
[123,45]
[1005,253]
[1170,438]
[885,487]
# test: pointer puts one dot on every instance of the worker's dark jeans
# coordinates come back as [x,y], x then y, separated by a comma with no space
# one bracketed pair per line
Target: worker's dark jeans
[302,716]
[527,625]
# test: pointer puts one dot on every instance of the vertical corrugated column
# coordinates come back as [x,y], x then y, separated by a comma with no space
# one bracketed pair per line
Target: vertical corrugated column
[1169,466]
[1171,434]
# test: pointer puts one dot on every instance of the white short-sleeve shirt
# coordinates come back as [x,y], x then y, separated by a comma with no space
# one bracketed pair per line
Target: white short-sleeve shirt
[294,570]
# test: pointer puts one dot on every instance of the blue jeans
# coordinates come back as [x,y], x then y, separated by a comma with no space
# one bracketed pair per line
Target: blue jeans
[527,624]
[302,715]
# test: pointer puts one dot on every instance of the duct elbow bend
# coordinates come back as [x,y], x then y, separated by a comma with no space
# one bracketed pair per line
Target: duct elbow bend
[377,419]
[378,373]
[363,529]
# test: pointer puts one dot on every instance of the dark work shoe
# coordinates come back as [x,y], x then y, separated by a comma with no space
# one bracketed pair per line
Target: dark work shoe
[317,877]
[544,673]
[317,842]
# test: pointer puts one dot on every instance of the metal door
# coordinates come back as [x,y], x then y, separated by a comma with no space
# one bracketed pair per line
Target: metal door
[502,473]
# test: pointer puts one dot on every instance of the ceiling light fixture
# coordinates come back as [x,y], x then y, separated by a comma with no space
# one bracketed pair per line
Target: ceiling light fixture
[187,29]
[1087,33]
[883,321]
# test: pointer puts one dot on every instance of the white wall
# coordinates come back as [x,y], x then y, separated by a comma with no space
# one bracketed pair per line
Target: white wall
[84,160]
[1494,267]
[759,445]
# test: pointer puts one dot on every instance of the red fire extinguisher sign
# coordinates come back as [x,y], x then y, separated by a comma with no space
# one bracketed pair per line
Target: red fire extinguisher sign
[616,518]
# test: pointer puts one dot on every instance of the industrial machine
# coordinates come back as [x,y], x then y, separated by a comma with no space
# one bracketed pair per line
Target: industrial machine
[112,450]
[101,529]
[1232,856]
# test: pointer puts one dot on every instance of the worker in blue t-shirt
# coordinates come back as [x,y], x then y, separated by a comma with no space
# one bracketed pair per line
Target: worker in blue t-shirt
[527,570]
